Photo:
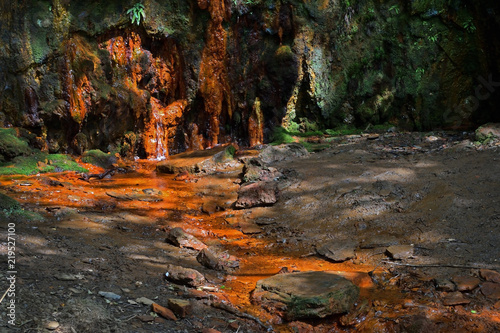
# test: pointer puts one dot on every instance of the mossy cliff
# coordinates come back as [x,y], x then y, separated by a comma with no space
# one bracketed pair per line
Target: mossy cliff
[79,75]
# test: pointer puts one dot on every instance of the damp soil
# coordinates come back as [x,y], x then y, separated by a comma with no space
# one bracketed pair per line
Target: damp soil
[436,193]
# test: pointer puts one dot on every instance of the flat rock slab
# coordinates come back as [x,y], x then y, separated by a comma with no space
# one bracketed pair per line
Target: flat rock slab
[197,161]
[338,250]
[490,275]
[400,252]
[306,294]
[272,154]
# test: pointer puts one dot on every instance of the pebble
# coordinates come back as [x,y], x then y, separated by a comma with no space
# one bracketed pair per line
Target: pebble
[146,318]
[180,307]
[52,325]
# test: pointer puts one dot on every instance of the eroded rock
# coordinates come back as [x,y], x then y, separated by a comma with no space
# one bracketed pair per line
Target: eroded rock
[306,294]
[466,283]
[282,152]
[491,290]
[400,252]
[490,275]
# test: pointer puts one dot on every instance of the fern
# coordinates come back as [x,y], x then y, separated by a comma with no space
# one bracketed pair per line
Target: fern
[136,13]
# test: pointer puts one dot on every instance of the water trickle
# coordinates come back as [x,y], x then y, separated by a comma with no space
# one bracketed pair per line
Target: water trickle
[161,150]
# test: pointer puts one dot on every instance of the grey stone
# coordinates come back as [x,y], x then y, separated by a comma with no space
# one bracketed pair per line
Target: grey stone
[184,276]
[400,252]
[338,250]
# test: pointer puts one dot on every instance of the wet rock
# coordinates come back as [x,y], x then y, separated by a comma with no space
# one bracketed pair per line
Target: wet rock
[163,311]
[180,307]
[156,197]
[208,259]
[69,277]
[338,250]
[52,325]
[400,252]
[455,298]
[466,283]
[184,276]
[207,161]
[178,237]
[488,131]
[282,152]
[490,275]
[491,290]
[109,295]
[257,194]
[306,295]
[144,300]
[444,285]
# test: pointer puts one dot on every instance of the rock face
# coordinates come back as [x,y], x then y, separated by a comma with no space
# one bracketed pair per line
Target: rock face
[306,295]
[196,74]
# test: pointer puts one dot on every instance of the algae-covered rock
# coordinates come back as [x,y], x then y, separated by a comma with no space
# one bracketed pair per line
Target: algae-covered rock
[488,131]
[99,158]
[7,203]
[11,146]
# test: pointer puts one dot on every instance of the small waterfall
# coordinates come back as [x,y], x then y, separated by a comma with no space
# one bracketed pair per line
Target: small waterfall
[161,152]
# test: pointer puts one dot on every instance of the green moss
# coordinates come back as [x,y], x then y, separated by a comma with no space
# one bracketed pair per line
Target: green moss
[281,135]
[343,130]
[11,146]
[7,203]
[99,158]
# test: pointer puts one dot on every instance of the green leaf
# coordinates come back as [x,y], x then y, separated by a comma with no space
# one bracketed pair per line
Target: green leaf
[473,311]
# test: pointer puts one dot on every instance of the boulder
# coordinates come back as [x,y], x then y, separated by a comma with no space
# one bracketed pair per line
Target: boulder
[306,294]
[257,194]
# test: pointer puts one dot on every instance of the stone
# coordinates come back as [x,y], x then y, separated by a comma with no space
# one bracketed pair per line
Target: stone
[257,194]
[52,325]
[206,161]
[146,318]
[444,285]
[491,290]
[249,227]
[184,276]
[490,275]
[338,250]
[466,283]
[180,307]
[208,259]
[144,300]
[379,240]
[306,294]
[163,311]
[496,305]
[282,152]
[210,330]
[455,298]
[109,295]
[178,237]
[487,131]
[400,252]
